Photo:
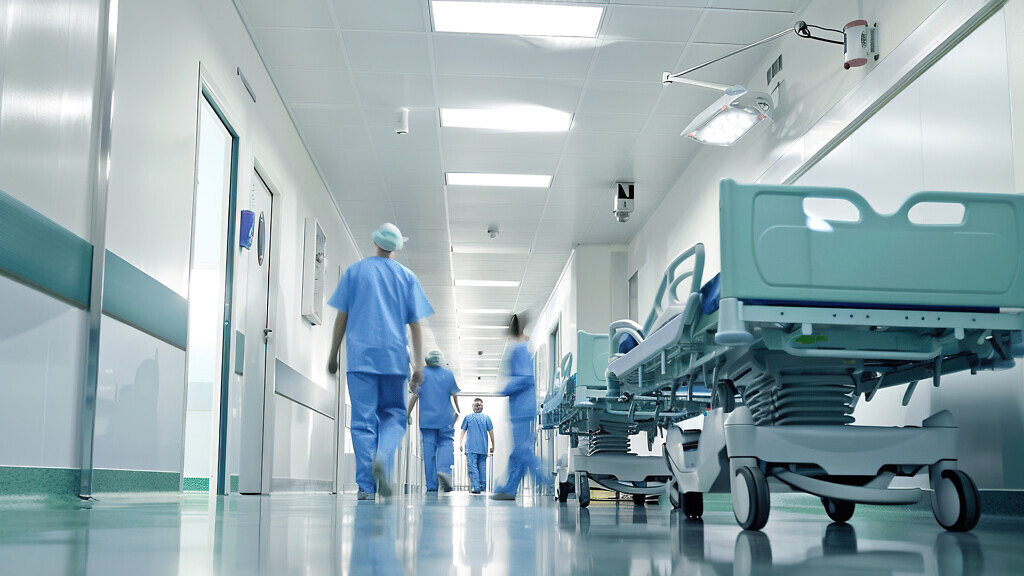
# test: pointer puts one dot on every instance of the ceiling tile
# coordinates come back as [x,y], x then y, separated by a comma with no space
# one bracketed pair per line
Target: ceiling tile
[489,162]
[597,122]
[497,55]
[300,48]
[329,87]
[491,92]
[417,193]
[479,195]
[319,115]
[395,91]
[650,23]
[468,139]
[404,15]
[395,52]
[733,70]
[307,14]
[587,171]
[773,5]
[635,61]
[620,97]
[368,211]
[616,144]
[328,137]
[666,146]
[740,26]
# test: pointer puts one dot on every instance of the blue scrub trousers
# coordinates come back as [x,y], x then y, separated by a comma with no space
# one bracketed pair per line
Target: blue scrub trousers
[523,459]
[438,453]
[378,422]
[477,465]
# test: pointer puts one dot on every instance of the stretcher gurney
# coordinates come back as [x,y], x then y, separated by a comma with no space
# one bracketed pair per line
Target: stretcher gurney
[814,315]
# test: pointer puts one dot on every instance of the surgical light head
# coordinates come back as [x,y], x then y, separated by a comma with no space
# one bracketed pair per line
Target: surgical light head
[389,237]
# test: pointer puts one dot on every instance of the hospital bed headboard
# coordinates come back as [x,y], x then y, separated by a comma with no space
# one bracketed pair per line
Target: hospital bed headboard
[772,250]
[591,359]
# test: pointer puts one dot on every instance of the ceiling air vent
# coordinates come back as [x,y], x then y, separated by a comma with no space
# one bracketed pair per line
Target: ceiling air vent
[773,70]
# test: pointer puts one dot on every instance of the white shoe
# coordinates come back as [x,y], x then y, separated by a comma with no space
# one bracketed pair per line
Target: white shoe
[444,482]
[365,495]
[383,488]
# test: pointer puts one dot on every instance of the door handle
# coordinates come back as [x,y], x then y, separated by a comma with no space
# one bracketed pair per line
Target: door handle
[266,334]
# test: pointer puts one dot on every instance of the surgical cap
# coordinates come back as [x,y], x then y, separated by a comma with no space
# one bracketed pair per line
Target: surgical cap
[434,358]
[389,237]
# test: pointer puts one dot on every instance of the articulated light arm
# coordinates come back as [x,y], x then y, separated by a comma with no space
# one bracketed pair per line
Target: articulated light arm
[801,29]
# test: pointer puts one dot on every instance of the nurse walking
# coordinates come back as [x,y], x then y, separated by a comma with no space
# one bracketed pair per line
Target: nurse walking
[479,427]
[522,408]
[375,299]
[435,396]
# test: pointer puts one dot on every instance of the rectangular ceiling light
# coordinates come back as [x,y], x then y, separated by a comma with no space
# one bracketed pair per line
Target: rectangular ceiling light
[485,311]
[517,19]
[511,119]
[490,248]
[488,283]
[502,180]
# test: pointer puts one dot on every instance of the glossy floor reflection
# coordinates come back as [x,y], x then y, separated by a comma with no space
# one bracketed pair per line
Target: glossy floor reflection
[467,535]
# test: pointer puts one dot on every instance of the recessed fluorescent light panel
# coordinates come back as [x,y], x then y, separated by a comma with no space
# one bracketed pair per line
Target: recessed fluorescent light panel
[488,283]
[511,119]
[490,248]
[503,180]
[517,19]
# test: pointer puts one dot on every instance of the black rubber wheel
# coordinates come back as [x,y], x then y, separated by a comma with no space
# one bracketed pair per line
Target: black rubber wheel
[639,499]
[582,490]
[750,498]
[838,510]
[693,504]
[563,491]
[956,502]
[674,497]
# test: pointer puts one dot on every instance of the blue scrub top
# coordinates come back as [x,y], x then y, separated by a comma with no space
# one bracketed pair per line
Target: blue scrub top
[380,297]
[436,409]
[476,425]
[521,388]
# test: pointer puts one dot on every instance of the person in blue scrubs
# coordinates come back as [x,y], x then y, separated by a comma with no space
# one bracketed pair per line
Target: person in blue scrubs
[479,427]
[437,421]
[376,298]
[522,408]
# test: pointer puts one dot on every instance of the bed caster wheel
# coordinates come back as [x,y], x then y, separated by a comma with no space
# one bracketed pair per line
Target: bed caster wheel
[674,496]
[582,490]
[693,504]
[955,501]
[838,510]
[563,491]
[639,499]
[750,499]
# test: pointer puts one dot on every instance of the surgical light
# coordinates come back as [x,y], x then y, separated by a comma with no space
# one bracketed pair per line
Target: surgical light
[738,111]
[729,118]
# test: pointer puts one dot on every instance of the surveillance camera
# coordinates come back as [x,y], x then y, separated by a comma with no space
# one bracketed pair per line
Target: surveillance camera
[403,122]
[492,230]
[623,200]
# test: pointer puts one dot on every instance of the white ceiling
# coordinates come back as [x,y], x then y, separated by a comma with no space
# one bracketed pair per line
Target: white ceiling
[344,67]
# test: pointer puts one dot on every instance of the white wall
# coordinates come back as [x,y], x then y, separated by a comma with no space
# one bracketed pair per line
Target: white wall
[48,63]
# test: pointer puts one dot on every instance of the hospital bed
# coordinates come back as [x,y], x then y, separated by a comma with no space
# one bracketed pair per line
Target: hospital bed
[809,316]
[602,418]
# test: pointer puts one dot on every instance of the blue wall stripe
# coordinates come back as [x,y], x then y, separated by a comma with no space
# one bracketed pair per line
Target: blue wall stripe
[139,300]
[294,386]
[42,253]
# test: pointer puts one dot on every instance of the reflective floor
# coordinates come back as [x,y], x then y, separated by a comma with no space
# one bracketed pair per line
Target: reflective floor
[463,534]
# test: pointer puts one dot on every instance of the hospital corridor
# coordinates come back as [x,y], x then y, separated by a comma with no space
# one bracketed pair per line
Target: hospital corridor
[511,287]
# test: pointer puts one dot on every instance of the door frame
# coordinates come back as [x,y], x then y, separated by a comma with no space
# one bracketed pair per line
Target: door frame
[206,90]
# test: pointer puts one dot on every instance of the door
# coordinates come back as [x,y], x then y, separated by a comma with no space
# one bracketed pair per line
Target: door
[256,442]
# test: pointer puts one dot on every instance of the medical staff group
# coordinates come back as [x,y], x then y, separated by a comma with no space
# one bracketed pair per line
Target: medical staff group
[376,298]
